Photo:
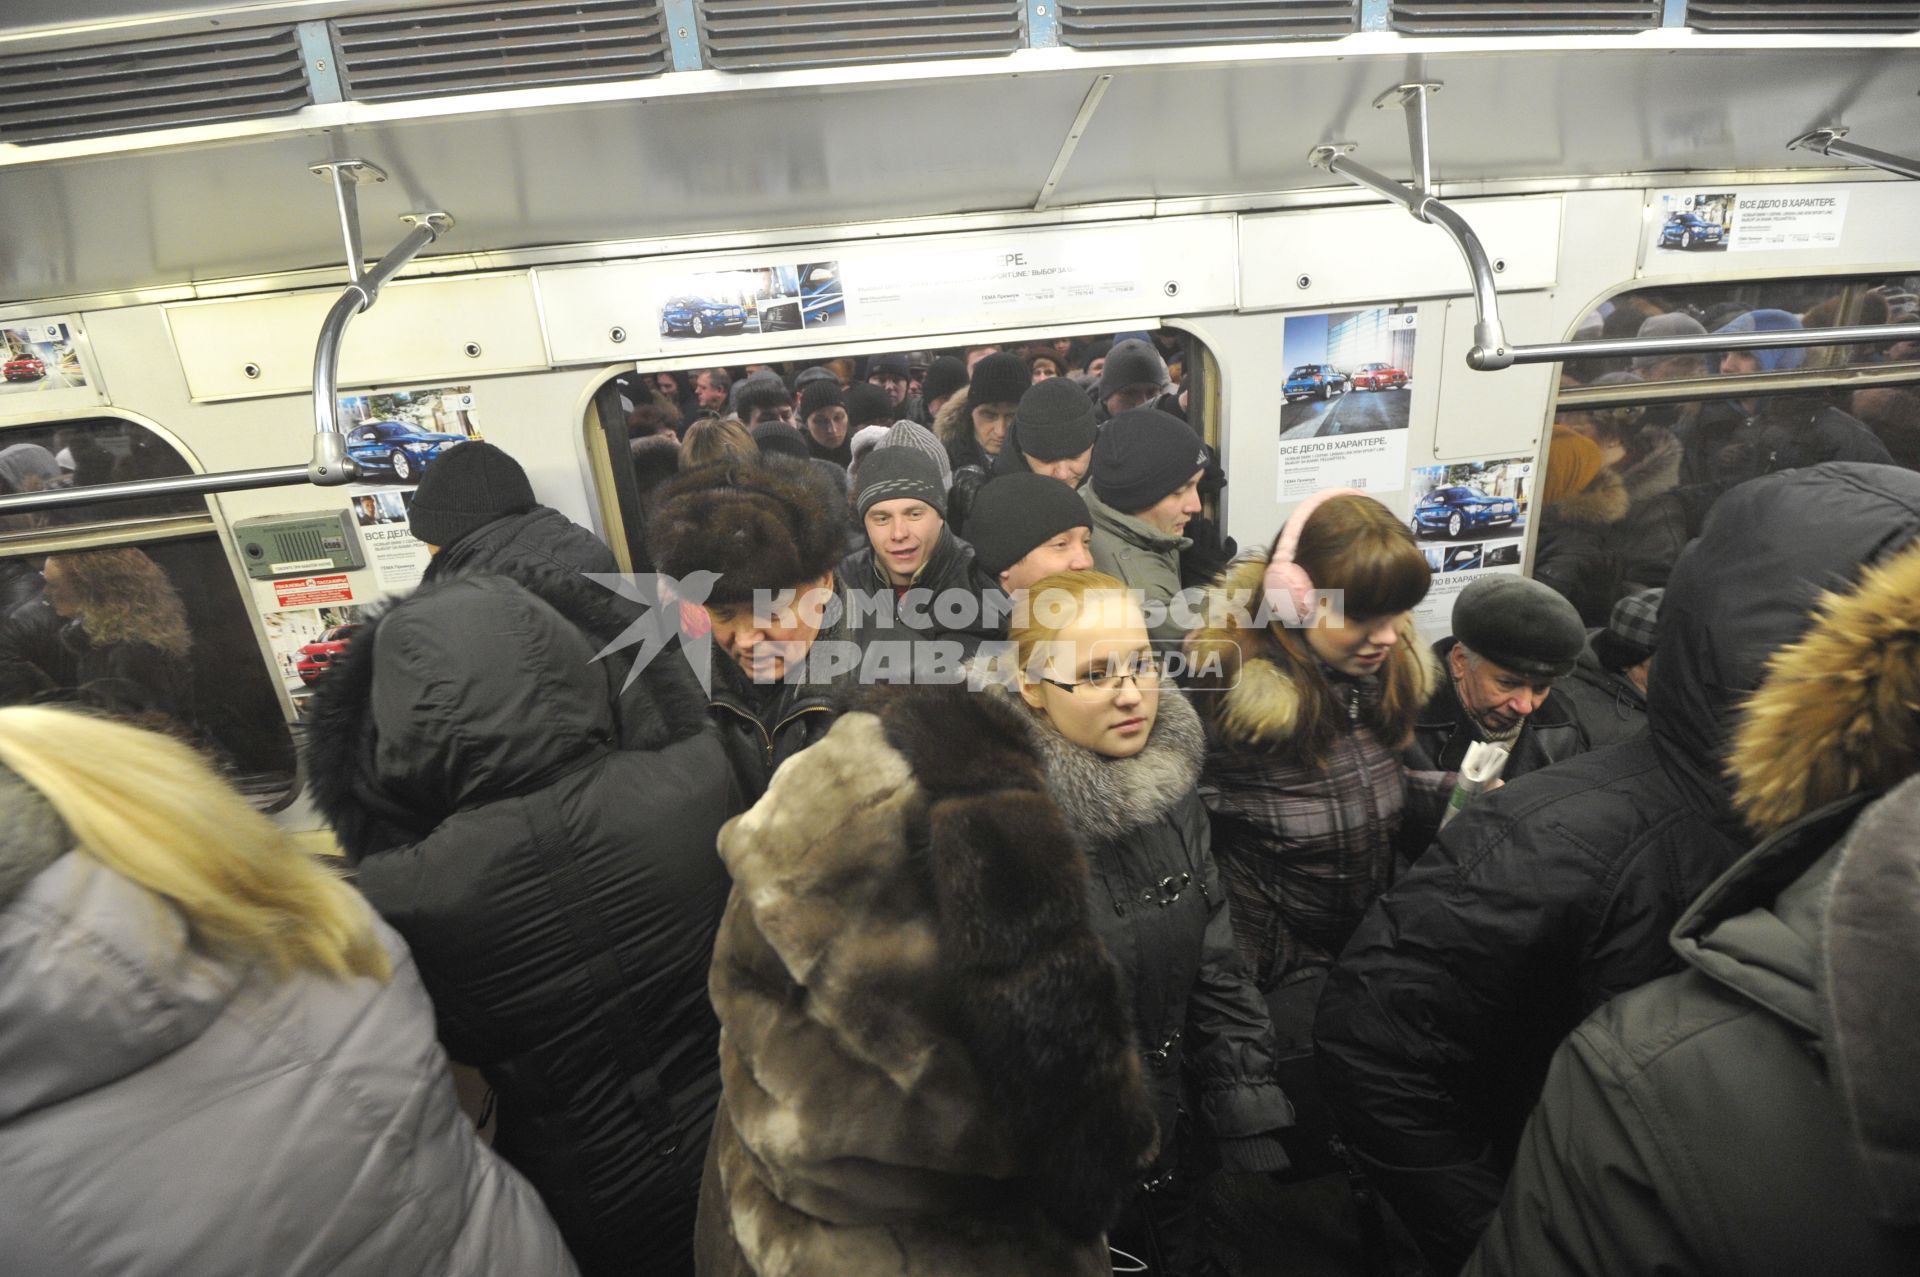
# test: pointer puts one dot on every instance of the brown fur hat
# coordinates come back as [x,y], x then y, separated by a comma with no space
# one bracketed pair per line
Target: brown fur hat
[762,525]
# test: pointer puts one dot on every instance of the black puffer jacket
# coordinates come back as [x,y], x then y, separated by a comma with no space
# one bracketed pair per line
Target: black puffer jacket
[1555,893]
[1608,707]
[540,538]
[763,725]
[545,844]
[1158,903]
[1443,732]
[915,614]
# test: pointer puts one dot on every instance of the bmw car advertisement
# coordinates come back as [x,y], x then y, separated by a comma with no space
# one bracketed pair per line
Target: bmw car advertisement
[752,300]
[1758,218]
[1469,519]
[1346,398]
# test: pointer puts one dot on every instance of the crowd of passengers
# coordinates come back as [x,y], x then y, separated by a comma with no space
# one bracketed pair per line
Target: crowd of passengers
[821,965]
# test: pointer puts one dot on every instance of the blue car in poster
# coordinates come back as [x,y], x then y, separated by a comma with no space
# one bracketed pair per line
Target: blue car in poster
[1457,510]
[1316,381]
[822,300]
[1690,230]
[700,316]
[396,449]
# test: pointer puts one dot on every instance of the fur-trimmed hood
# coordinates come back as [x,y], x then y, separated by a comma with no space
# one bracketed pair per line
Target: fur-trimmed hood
[1839,710]
[927,1060]
[1601,503]
[1657,470]
[1256,697]
[476,687]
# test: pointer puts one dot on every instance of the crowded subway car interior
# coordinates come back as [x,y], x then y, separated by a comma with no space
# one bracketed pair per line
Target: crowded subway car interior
[584,473]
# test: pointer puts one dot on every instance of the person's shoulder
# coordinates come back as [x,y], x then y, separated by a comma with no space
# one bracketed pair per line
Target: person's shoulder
[1593,809]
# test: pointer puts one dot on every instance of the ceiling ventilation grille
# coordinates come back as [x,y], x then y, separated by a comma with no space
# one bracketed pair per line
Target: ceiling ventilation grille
[1122,24]
[1804,15]
[499,44]
[1497,17]
[753,35]
[205,78]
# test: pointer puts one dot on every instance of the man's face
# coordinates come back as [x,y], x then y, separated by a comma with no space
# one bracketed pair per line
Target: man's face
[1171,512]
[707,393]
[765,647]
[1129,397]
[903,533]
[1498,698]
[1071,551]
[1068,470]
[895,386]
[783,414]
[828,426]
[1739,363]
[978,353]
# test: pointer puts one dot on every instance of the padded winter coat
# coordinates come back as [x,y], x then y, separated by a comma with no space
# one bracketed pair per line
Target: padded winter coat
[927,1060]
[545,841]
[163,1112]
[1555,893]
[1608,707]
[1752,1115]
[542,538]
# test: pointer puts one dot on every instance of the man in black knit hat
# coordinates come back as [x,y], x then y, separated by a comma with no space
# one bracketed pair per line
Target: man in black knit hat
[1027,526]
[475,510]
[945,376]
[1145,487]
[823,414]
[1052,434]
[773,531]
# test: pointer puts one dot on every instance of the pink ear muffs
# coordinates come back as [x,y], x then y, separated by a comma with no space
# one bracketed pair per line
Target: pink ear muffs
[1288,589]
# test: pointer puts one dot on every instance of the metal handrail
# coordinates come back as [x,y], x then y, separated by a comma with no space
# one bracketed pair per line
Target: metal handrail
[1826,141]
[1491,351]
[329,465]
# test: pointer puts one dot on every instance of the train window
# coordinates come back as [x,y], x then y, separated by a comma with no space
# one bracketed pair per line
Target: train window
[647,416]
[131,607]
[1641,449]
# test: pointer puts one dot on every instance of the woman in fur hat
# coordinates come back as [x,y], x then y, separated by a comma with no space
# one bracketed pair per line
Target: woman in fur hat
[1123,755]
[1312,809]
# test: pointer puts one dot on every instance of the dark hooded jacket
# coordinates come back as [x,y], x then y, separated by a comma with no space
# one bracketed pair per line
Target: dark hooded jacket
[1608,707]
[1547,897]
[1441,737]
[540,538]
[545,843]
[1753,1115]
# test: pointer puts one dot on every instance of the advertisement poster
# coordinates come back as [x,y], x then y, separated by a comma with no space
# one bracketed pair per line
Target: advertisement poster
[1348,393]
[759,299]
[45,359]
[395,437]
[305,640]
[1781,217]
[1468,519]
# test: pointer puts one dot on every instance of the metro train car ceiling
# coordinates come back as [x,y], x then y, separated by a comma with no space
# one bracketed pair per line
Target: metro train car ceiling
[151,149]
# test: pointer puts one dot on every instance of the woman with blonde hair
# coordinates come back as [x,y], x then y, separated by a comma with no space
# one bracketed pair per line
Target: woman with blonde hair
[1123,751]
[126,633]
[713,439]
[213,1059]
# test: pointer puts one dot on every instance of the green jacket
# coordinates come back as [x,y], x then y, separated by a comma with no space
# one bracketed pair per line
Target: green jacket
[1752,1115]
[1140,555]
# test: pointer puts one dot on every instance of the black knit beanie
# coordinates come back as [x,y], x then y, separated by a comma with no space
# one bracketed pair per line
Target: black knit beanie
[1142,455]
[778,439]
[1132,363]
[867,405]
[1000,378]
[944,376]
[899,474]
[1054,420]
[819,395]
[1016,513]
[465,488]
[891,364]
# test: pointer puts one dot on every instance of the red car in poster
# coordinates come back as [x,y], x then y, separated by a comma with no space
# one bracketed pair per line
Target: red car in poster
[1379,377]
[318,656]
[25,368]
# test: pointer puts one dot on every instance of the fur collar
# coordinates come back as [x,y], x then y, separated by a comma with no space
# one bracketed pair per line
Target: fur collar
[1656,472]
[1107,798]
[1838,712]
[1260,705]
[1604,502]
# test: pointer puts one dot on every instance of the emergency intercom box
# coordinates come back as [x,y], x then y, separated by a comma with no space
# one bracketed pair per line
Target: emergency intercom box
[309,541]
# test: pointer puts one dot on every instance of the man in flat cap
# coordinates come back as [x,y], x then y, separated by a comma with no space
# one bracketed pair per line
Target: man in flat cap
[1513,639]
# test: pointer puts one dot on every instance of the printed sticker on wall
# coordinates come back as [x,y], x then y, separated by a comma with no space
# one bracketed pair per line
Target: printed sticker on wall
[1469,519]
[1752,220]
[1346,401]
[751,300]
[307,641]
[44,361]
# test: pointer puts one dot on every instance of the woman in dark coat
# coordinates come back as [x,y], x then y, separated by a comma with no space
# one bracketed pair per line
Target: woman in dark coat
[1580,504]
[543,837]
[1123,755]
[126,636]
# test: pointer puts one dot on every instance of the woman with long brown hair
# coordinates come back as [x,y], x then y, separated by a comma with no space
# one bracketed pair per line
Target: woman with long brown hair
[1312,809]
[127,632]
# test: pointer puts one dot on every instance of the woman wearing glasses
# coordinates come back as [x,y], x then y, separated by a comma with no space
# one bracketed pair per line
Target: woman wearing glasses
[1123,753]
[1311,806]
